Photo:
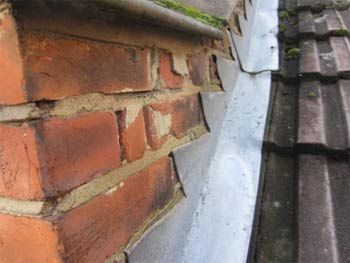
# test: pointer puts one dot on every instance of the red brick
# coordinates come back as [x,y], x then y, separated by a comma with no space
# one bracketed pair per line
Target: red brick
[185,113]
[25,239]
[76,150]
[57,67]
[132,134]
[97,229]
[198,66]
[170,79]
[11,68]
[19,164]
[214,44]
[154,139]
[93,231]
[219,45]
[51,156]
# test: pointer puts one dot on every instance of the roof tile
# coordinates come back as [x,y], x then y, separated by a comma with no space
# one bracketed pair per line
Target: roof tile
[322,4]
[328,22]
[282,120]
[325,59]
[317,240]
[308,141]
[313,118]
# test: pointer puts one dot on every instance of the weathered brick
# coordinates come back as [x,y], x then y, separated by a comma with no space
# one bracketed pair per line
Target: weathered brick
[176,117]
[19,163]
[25,239]
[157,127]
[76,150]
[214,44]
[51,156]
[132,133]
[11,68]
[170,79]
[186,115]
[96,230]
[93,231]
[198,65]
[57,67]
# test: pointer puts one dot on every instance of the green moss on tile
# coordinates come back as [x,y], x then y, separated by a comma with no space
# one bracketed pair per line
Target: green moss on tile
[312,95]
[342,32]
[293,53]
[192,12]
[286,14]
[282,27]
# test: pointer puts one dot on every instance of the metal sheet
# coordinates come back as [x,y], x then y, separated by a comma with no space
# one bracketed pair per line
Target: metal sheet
[214,107]
[203,218]
[257,48]
[234,177]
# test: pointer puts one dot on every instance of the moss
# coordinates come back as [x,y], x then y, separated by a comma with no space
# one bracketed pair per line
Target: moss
[286,14]
[342,32]
[282,27]
[312,94]
[283,14]
[293,53]
[192,12]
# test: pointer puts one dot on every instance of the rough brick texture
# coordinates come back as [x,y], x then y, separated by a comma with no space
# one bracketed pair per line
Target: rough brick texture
[175,117]
[95,230]
[73,151]
[57,154]
[19,163]
[11,68]
[57,67]
[132,133]
[64,146]
[170,79]
[28,240]
[198,65]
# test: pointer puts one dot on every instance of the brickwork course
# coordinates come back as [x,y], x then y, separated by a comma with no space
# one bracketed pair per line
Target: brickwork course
[91,108]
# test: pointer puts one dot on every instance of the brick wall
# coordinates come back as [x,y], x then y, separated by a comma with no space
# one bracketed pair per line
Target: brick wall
[89,118]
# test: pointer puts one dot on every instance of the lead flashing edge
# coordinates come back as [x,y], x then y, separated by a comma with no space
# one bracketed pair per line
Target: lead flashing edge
[164,17]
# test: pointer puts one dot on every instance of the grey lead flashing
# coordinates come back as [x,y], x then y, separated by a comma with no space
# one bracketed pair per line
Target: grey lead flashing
[257,48]
[164,17]
[220,172]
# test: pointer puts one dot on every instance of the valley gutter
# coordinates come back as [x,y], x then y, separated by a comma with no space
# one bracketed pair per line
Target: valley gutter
[220,172]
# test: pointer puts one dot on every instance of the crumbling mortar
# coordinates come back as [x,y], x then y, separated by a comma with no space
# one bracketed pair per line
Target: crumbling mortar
[99,102]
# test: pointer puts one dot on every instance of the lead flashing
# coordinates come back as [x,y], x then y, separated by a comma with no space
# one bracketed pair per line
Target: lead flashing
[165,17]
